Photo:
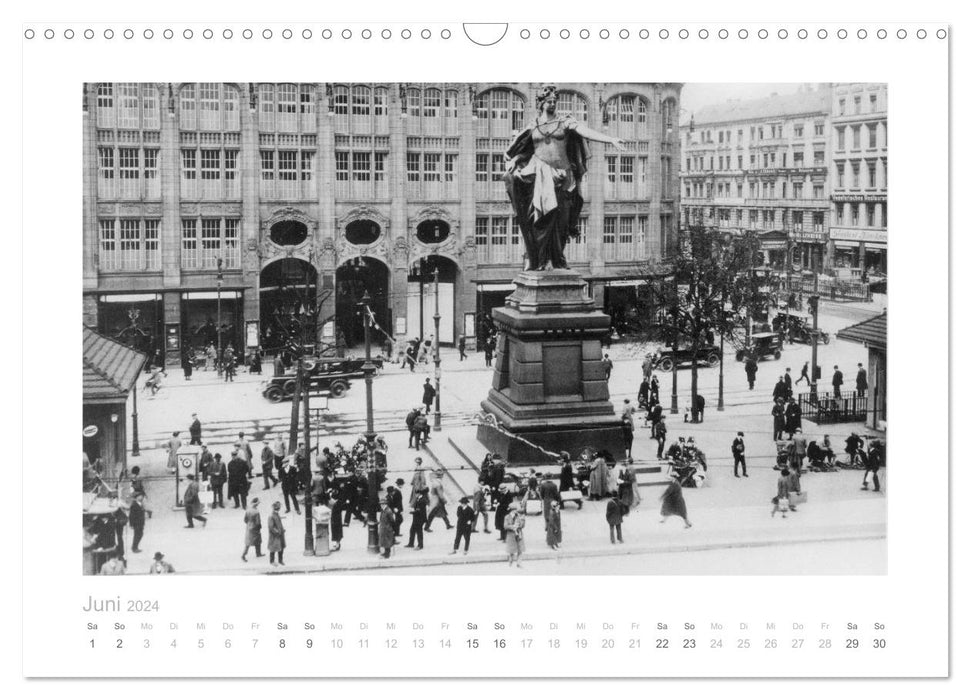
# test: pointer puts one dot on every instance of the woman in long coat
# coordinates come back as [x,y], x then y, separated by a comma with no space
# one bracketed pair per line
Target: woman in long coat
[672,502]
[386,529]
[566,473]
[598,478]
[277,541]
[418,482]
[613,479]
[502,509]
[514,524]
[780,502]
[336,519]
[254,527]
[630,496]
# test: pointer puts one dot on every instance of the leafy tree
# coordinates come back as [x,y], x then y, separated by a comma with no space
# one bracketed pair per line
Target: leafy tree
[702,292]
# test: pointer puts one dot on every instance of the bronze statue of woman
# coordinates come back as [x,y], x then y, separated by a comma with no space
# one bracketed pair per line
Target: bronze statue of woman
[548,160]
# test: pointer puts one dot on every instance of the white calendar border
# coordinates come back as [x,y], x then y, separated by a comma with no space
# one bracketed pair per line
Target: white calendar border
[904,537]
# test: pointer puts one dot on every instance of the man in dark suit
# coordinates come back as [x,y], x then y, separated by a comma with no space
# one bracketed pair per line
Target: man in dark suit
[396,501]
[549,492]
[290,481]
[837,381]
[464,517]
[136,518]
[660,434]
[861,383]
[419,514]
[738,452]
[410,424]
[780,391]
[787,378]
[778,419]
[195,431]
[751,367]
[237,471]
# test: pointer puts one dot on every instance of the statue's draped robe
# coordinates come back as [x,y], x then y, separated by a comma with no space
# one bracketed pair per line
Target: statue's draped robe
[546,200]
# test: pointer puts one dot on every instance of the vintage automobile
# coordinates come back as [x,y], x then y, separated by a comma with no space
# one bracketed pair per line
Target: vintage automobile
[760,345]
[667,358]
[797,328]
[327,377]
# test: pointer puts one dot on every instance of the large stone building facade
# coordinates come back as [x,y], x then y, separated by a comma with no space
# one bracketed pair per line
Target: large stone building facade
[763,165]
[858,235]
[205,204]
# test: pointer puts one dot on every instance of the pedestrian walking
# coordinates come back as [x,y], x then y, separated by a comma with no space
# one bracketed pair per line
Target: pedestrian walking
[418,482]
[160,566]
[627,490]
[738,453]
[837,381]
[464,520]
[254,529]
[780,502]
[217,477]
[290,482]
[136,519]
[256,362]
[173,445]
[137,485]
[608,366]
[245,452]
[192,503]
[504,503]
[277,541]
[567,481]
[799,448]
[615,519]
[654,415]
[462,348]
[278,368]
[698,409]
[187,365]
[861,382]
[438,502]
[419,515]
[420,431]
[336,519]
[410,425]
[237,481]
[751,367]
[793,416]
[874,460]
[554,527]
[661,435]
[787,378]
[779,391]
[480,505]
[513,524]
[804,374]
[647,366]
[672,502]
[488,350]
[229,364]
[549,494]
[266,462]
[195,431]
[778,419]
[428,395]
[211,360]
[385,529]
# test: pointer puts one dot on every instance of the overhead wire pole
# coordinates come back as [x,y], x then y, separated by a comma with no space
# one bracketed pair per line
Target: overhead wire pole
[369,435]
[437,423]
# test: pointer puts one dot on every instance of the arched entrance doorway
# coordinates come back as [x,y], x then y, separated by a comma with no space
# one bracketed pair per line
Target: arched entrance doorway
[421,298]
[289,316]
[351,280]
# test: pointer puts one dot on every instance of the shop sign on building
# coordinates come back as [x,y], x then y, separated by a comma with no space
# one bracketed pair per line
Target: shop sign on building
[858,234]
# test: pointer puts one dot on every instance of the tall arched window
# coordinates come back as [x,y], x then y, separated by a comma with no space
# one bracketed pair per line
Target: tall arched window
[500,113]
[626,116]
[572,103]
[208,107]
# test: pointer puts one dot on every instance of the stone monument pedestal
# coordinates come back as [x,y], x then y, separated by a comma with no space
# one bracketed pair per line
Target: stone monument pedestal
[549,387]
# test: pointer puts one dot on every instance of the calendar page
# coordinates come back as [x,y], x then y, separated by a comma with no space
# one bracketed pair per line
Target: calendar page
[559,348]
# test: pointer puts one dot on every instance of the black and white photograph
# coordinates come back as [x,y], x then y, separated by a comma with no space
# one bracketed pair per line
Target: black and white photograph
[484,328]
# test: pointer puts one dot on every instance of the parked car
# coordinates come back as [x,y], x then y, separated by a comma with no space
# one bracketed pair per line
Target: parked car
[667,358]
[798,328]
[351,367]
[761,345]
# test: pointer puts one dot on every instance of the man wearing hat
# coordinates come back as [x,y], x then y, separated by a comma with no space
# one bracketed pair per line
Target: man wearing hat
[464,518]
[419,514]
[396,502]
[738,452]
[236,479]
[437,497]
[386,529]
[160,566]
[192,503]
[266,461]
[549,493]
[195,431]
[479,504]
[205,463]
[254,529]
[291,485]
[661,435]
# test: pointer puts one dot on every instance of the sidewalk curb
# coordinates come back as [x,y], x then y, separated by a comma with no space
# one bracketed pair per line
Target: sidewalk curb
[494,557]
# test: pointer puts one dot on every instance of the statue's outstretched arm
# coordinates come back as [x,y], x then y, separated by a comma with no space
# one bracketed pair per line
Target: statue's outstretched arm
[592,135]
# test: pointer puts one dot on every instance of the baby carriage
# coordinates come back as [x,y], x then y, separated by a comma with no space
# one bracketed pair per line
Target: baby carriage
[689,475]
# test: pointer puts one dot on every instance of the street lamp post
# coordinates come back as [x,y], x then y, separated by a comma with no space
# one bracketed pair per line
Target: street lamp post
[369,435]
[814,306]
[134,422]
[219,317]
[437,423]
[721,364]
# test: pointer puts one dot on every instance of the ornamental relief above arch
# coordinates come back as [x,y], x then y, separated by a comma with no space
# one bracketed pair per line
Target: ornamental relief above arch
[290,246]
